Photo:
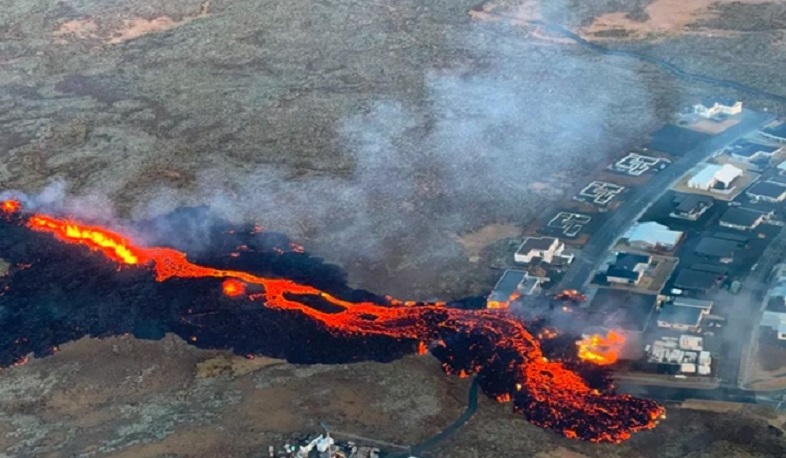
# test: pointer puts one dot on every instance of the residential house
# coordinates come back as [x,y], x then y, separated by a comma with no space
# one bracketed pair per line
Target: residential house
[545,248]
[775,133]
[715,177]
[743,219]
[751,152]
[652,236]
[767,191]
[691,206]
[713,107]
[683,314]
[628,268]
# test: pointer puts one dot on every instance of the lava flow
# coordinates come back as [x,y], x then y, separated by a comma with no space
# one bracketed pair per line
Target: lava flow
[490,343]
[601,350]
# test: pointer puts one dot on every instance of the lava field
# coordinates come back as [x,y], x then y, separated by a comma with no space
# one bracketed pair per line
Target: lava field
[254,292]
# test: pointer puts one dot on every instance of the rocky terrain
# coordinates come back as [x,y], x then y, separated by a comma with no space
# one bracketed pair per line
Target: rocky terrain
[394,138]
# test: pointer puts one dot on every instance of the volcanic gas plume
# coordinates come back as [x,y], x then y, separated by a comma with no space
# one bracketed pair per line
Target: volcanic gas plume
[488,342]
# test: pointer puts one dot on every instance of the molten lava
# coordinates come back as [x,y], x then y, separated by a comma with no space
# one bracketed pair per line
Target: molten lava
[10,206]
[488,342]
[570,295]
[601,350]
[233,288]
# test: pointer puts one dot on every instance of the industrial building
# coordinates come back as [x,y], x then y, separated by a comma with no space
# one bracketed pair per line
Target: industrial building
[545,249]
[714,107]
[691,206]
[715,177]
[628,269]
[767,191]
[743,219]
[652,236]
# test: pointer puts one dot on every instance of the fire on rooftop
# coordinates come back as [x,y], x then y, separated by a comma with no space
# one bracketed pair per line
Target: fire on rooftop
[269,298]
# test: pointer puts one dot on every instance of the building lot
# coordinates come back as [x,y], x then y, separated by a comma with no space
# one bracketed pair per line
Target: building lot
[615,309]
[736,187]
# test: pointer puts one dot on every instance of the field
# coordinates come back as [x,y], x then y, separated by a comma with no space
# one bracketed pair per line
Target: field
[406,142]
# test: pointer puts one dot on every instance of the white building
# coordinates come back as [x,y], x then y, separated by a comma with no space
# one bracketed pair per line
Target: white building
[652,236]
[715,176]
[545,248]
[774,316]
[714,107]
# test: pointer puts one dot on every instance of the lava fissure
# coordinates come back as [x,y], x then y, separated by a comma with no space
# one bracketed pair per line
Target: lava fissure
[489,342]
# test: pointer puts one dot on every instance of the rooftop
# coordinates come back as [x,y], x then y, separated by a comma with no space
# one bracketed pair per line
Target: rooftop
[629,261]
[725,173]
[725,101]
[695,280]
[678,315]
[507,285]
[777,131]
[698,303]
[739,216]
[767,189]
[745,148]
[653,233]
[689,202]
[536,243]
[716,248]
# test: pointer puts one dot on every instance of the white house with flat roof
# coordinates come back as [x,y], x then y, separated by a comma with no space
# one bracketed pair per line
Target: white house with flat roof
[711,108]
[652,236]
[715,176]
[546,248]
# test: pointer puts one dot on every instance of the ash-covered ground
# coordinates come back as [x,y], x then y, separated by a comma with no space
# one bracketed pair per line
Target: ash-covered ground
[377,134]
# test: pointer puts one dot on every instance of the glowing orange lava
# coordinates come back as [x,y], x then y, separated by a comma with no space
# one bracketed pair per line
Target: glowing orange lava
[10,206]
[233,288]
[601,350]
[545,392]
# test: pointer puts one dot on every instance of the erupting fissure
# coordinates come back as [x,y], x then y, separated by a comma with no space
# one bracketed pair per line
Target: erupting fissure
[545,392]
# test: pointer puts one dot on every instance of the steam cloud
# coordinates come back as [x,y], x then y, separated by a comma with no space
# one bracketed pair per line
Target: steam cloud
[467,155]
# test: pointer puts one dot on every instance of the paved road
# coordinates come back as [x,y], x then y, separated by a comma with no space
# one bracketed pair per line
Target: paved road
[630,210]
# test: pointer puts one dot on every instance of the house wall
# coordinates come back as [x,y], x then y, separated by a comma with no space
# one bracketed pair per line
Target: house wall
[676,327]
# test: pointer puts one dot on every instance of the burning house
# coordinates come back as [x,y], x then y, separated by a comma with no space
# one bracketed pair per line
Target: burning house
[512,285]
[271,299]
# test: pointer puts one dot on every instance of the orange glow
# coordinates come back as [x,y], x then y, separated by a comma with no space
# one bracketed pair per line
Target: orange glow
[10,206]
[554,393]
[601,350]
[233,288]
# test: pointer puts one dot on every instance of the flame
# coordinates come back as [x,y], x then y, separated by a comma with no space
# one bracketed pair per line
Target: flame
[545,392]
[233,288]
[570,295]
[10,206]
[601,350]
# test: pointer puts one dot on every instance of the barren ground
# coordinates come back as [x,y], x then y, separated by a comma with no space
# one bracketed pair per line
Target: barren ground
[383,136]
